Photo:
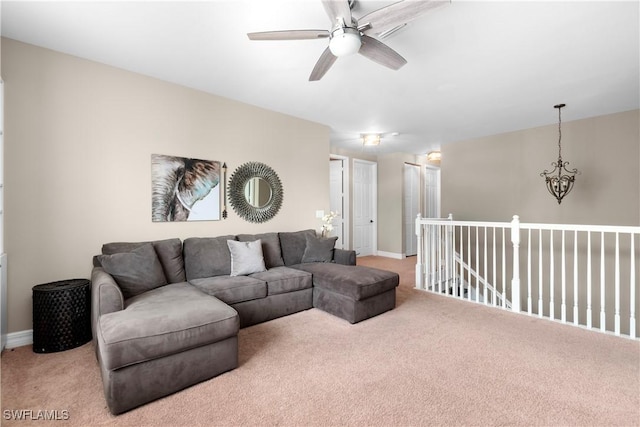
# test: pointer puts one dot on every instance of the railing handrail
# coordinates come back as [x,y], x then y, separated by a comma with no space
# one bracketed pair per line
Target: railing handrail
[536,226]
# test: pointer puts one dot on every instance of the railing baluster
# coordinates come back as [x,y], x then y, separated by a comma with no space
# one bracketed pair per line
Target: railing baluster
[504,268]
[540,293]
[589,280]
[485,276]
[603,315]
[469,263]
[447,242]
[461,274]
[563,304]
[617,287]
[515,281]
[529,301]
[419,261]
[477,267]
[589,274]
[439,258]
[575,278]
[493,244]
[632,289]
[452,258]
[552,276]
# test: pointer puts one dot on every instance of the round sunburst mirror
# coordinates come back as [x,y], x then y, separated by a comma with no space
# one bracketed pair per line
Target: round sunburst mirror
[255,192]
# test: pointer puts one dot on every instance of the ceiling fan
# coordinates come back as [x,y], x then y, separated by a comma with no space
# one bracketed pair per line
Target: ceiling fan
[349,35]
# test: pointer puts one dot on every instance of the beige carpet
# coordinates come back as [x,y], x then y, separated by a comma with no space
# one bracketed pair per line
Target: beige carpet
[431,361]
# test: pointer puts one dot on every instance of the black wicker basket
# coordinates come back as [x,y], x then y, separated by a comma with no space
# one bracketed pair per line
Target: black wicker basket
[61,315]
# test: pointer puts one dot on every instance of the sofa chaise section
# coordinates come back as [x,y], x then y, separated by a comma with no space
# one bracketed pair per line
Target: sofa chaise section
[154,333]
[353,293]
[163,341]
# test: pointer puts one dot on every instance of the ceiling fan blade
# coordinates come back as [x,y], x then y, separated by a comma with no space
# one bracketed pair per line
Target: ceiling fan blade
[338,9]
[322,66]
[396,14]
[381,53]
[289,35]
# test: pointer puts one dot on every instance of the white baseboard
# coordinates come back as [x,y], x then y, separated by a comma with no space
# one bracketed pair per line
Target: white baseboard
[18,339]
[391,255]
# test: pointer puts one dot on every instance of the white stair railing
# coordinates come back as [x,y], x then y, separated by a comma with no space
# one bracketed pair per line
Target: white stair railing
[585,275]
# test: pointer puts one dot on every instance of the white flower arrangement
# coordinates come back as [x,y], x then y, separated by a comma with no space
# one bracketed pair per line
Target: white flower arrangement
[327,221]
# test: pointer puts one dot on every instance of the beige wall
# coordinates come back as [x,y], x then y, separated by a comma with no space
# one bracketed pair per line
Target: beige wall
[79,136]
[498,176]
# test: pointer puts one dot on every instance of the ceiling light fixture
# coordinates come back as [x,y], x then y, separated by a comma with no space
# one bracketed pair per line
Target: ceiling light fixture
[345,41]
[370,139]
[559,185]
[434,156]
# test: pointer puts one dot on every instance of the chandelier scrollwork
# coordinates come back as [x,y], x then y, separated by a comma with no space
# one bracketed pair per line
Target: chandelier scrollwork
[560,180]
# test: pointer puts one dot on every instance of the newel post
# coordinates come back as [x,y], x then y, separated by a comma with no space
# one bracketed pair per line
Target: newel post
[419,256]
[515,280]
[449,257]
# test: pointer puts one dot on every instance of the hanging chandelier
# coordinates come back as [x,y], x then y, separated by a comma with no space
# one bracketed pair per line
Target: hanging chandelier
[559,184]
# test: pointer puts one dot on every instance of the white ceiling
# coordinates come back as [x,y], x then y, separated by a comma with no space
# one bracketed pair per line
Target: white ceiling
[474,68]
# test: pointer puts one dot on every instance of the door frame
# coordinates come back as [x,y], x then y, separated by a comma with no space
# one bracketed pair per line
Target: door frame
[419,205]
[374,202]
[346,201]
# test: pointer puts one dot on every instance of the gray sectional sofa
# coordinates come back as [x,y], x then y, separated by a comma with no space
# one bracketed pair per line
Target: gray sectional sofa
[166,314]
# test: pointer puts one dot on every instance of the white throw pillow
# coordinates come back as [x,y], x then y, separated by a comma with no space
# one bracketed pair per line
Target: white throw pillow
[246,257]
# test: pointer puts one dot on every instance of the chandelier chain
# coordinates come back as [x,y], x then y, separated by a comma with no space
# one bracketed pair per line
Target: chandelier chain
[559,132]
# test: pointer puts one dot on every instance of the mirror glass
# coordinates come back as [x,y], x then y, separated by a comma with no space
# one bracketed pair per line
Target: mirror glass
[257,192]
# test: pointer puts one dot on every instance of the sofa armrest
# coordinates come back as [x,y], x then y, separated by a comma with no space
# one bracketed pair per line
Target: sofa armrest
[106,296]
[343,256]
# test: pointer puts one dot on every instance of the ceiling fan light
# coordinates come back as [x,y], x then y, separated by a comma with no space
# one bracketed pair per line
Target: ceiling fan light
[345,41]
[371,139]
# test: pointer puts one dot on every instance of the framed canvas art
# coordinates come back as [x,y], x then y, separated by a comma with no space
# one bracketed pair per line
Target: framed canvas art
[184,189]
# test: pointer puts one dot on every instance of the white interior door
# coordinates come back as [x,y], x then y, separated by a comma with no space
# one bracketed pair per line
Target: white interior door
[365,189]
[336,199]
[432,192]
[411,207]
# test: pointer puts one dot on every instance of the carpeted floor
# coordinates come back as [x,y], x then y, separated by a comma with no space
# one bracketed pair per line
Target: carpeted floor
[431,361]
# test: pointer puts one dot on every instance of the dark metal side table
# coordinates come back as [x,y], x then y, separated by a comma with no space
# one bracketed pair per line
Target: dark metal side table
[61,315]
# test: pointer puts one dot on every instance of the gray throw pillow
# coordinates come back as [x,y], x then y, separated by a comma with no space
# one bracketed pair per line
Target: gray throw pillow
[135,272]
[319,249]
[169,253]
[293,244]
[246,257]
[270,247]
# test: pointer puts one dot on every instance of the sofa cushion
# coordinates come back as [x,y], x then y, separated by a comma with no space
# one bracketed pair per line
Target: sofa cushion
[281,280]
[270,247]
[246,257]
[319,249]
[162,322]
[354,281]
[169,252]
[135,272]
[232,290]
[293,245]
[207,257]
